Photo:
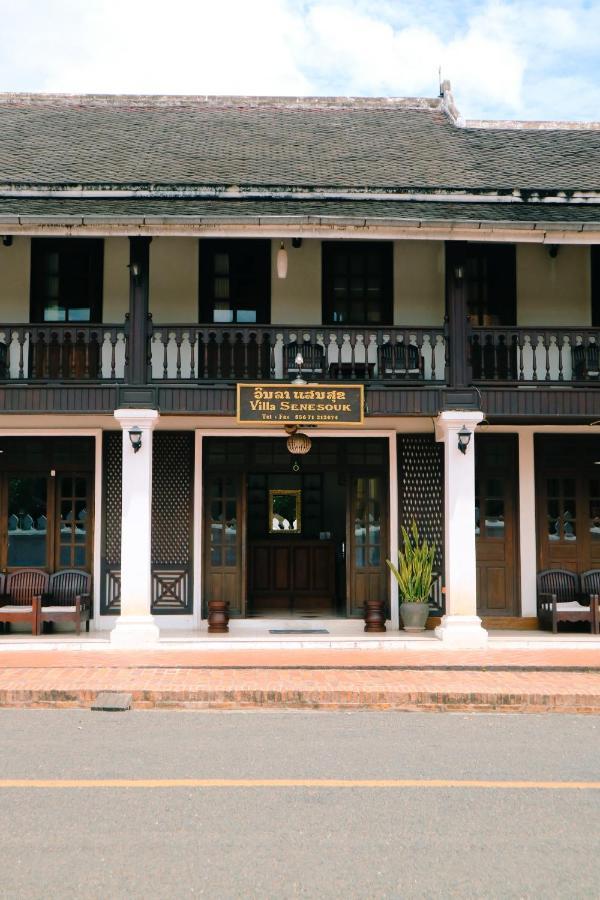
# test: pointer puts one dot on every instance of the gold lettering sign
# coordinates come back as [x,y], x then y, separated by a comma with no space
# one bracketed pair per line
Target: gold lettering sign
[306,404]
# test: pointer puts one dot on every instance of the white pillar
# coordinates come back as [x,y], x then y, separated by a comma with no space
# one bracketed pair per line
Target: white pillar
[527,524]
[135,626]
[460,626]
[394,538]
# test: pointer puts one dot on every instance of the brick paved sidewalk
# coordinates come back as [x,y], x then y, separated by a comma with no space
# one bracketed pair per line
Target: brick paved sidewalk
[528,681]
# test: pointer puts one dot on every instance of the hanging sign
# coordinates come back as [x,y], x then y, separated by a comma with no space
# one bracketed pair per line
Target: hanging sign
[302,404]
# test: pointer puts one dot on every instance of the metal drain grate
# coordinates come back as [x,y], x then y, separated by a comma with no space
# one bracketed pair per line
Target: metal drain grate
[298,631]
[111,701]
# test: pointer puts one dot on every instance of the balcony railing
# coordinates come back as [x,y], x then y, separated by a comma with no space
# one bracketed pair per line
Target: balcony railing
[62,352]
[229,353]
[59,352]
[535,354]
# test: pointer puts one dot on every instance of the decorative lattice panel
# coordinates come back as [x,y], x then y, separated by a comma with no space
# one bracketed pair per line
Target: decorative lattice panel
[421,492]
[111,523]
[172,521]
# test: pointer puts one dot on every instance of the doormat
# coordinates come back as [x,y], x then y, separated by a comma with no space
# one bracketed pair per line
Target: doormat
[298,631]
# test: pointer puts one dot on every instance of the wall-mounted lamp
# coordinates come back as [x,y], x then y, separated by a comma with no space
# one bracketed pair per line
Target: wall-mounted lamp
[464,439]
[553,251]
[135,436]
[134,268]
[299,361]
[296,243]
[282,261]
[459,272]
[7,240]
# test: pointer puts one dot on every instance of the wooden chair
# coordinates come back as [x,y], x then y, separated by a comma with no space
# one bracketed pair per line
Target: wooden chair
[590,586]
[558,599]
[21,603]
[67,599]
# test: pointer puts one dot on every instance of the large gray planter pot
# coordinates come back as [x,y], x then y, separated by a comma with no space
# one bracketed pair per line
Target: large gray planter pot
[414,616]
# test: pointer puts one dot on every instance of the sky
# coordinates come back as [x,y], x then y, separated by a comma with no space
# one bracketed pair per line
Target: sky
[515,59]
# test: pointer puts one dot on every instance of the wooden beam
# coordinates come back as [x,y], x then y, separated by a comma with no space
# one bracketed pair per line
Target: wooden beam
[137,368]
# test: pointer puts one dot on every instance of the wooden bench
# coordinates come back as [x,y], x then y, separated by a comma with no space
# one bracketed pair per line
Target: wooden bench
[20,597]
[559,600]
[590,586]
[66,599]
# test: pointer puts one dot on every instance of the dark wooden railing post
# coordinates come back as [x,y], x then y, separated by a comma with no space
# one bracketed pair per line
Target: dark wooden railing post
[137,332]
[458,322]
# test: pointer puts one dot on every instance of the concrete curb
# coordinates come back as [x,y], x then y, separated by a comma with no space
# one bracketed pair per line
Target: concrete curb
[407,701]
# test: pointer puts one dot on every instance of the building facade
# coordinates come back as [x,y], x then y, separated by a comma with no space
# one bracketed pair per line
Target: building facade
[159,253]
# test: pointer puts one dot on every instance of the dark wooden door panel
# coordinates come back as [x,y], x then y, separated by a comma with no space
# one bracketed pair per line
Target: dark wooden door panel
[281,558]
[367,543]
[568,502]
[303,557]
[291,576]
[496,530]
[223,541]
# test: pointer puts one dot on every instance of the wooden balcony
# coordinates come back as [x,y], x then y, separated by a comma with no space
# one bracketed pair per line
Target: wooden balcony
[513,374]
[535,354]
[53,352]
[209,353]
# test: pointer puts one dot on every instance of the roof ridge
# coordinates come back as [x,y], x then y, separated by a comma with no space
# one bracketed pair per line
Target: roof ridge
[233,100]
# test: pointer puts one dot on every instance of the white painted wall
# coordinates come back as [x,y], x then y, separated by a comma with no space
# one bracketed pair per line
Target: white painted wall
[174,280]
[550,291]
[15,264]
[553,291]
[419,283]
[296,300]
[115,303]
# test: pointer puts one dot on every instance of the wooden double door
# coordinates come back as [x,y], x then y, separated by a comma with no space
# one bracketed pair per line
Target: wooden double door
[322,573]
[46,504]
[496,526]
[568,502]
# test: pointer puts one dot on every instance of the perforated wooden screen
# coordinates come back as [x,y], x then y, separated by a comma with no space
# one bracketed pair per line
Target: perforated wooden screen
[421,496]
[172,523]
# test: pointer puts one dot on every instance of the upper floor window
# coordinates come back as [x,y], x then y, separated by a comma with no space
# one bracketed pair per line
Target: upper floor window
[489,273]
[595,263]
[357,283]
[66,280]
[235,281]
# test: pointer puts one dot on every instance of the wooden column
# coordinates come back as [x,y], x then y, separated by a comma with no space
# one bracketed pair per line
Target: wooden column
[138,318]
[456,308]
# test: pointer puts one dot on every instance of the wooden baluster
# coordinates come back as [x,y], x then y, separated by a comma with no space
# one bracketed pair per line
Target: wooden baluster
[259,353]
[178,338]
[193,336]
[219,340]
[58,341]
[547,345]
[232,342]
[205,336]
[164,339]
[245,339]
[33,354]
[113,354]
[560,344]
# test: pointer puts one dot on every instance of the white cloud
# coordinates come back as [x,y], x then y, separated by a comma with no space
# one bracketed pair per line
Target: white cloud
[499,54]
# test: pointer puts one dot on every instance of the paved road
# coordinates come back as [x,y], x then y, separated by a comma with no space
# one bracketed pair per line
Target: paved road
[316,841]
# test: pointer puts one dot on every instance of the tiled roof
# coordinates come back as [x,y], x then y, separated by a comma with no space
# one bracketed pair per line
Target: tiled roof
[282,143]
[552,214]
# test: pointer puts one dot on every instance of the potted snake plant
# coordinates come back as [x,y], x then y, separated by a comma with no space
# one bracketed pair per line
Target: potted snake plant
[415,577]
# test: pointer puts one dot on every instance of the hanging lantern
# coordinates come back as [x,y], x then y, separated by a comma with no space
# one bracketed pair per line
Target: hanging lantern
[282,262]
[299,444]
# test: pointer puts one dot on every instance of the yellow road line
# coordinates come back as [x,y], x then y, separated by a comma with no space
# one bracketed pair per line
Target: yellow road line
[61,783]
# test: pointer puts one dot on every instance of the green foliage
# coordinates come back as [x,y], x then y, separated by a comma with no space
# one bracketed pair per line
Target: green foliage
[415,566]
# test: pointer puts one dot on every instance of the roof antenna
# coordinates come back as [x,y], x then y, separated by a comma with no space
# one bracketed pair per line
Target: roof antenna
[440,80]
